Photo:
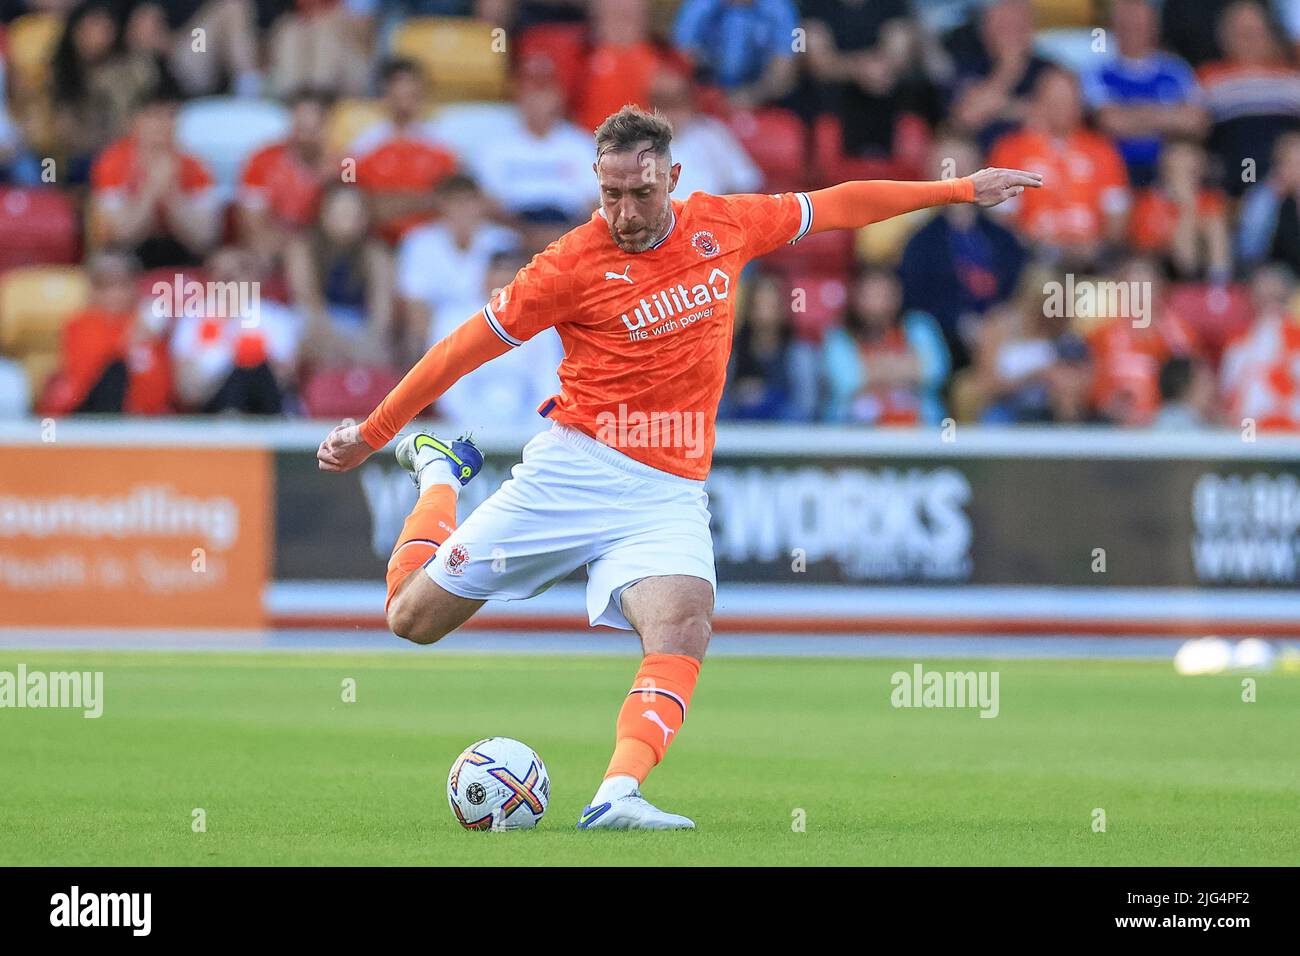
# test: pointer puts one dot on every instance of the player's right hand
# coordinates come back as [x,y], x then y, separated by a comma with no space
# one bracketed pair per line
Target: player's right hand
[343,449]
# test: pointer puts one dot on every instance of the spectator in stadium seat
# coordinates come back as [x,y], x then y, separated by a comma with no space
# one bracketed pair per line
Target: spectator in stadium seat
[1187,395]
[1269,223]
[996,71]
[235,360]
[962,261]
[622,63]
[152,198]
[19,166]
[400,160]
[865,58]
[1188,28]
[15,391]
[139,64]
[214,44]
[1182,220]
[1259,375]
[508,390]
[746,47]
[538,160]
[447,261]
[1028,366]
[281,184]
[1252,94]
[1086,206]
[1142,95]
[341,285]
[80,92]
[114,353]
[771,376]
[320,45]
[886,366]
[1069,383]
[713,160]
[1129,350]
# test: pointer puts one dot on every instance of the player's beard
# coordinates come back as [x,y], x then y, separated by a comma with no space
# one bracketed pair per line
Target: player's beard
[650,237]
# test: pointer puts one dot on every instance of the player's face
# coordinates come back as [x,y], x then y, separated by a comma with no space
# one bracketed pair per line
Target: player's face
[634,188]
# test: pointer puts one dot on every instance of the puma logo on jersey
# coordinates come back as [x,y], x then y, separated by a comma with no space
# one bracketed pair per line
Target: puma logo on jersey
[622,275]
[654,718]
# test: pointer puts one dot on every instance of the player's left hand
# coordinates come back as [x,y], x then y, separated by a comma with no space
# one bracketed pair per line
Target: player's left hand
[343,449]
[994,186]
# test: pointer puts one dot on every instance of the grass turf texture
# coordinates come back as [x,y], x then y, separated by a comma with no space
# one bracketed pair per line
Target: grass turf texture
[287,773]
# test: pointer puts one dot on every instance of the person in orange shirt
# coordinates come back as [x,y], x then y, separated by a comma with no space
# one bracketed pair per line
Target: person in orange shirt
[1087,206]
[114,357]
[151,197]
[642,296]
[1260,372]
[1181,220]
[622,64]
[280,187]
[399,161]
[1129,351]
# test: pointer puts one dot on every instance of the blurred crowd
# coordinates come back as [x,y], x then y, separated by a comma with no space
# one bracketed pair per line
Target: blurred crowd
[275,206]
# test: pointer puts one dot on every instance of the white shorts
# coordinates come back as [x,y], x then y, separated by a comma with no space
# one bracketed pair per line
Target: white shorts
[574,501]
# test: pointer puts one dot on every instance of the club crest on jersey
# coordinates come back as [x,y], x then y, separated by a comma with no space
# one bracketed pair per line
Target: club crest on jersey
[456,558]
[705,244]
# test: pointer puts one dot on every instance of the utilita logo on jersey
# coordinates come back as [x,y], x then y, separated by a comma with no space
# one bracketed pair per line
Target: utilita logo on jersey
[674,308]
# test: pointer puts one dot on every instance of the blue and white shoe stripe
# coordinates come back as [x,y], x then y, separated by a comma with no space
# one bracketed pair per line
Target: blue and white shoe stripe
[591,814]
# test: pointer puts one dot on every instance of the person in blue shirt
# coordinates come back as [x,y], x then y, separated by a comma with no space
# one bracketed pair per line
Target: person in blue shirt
[885,365]
[744,46]
[1142,94]
[961,262]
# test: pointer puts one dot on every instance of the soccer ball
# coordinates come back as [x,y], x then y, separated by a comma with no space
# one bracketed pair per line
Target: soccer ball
[498,784]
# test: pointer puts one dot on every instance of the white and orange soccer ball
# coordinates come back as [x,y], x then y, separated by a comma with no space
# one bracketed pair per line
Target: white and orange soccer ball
[498,784]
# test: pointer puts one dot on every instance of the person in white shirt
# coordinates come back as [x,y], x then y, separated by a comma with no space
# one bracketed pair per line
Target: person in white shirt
[712,159]
[536,158]
[231,349]
[447,260]
[508,390]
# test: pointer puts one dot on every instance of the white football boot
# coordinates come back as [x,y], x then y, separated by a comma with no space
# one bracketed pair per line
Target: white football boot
[625,809]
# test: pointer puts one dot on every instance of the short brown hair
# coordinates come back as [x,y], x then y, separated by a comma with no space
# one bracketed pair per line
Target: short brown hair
[632,125]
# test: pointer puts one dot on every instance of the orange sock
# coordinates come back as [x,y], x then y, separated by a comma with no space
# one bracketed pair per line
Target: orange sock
[653,712]
[430,522]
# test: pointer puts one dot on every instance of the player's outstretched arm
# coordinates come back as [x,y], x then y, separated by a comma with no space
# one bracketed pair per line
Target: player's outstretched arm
[859,203]
[472,344]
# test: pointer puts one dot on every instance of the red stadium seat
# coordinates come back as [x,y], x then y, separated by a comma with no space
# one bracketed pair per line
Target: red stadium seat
[37,227]
[1216,314]
[823,299]
[565,45]
[778,142]
[347,392]
[832,166]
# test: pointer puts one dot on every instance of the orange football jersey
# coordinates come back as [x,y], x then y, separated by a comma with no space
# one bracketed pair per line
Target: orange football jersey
[647,335]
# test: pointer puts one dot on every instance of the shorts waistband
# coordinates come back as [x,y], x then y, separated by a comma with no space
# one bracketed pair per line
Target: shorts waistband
[613,457]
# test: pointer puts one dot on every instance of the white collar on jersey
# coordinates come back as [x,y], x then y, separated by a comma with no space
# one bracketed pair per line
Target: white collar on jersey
[672,223]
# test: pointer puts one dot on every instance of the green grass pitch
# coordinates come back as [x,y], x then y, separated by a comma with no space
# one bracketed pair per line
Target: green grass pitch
[287,773]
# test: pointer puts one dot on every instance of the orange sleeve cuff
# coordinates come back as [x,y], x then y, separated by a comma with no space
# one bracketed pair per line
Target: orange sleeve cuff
[859,203]
[472,344]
